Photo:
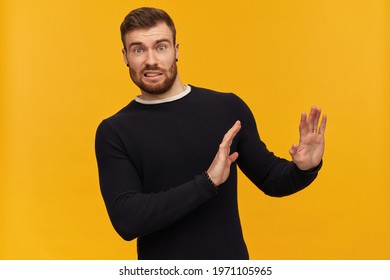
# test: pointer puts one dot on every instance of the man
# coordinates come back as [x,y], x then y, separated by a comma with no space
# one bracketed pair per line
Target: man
[167,161]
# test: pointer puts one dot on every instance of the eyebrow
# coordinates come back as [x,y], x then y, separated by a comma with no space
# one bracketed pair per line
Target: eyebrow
[138,43]
[162,40]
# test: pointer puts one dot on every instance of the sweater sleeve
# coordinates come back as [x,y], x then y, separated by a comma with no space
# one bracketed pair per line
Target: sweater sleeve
[132,212]
[273,175]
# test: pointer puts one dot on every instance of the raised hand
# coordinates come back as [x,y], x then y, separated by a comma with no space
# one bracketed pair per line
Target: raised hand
[219,169]
[308,153]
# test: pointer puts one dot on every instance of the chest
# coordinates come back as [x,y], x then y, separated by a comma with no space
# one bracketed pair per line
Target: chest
[170,149]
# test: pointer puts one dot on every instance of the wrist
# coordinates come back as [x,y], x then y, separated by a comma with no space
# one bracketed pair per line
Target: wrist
[206,174]
[314,169]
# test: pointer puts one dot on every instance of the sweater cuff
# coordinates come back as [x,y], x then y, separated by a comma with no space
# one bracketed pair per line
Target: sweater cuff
[313,170]
[209,183]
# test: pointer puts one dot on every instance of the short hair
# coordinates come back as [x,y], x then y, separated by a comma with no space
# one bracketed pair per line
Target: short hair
[143,18]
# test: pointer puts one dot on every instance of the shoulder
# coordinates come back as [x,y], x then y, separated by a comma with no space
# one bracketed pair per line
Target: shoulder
[216,96]
[122,115]
[116,121]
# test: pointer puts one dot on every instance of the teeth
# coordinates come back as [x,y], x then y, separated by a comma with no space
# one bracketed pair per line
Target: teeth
[151,74]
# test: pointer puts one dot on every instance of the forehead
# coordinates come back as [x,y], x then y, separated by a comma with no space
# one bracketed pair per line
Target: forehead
[149,35]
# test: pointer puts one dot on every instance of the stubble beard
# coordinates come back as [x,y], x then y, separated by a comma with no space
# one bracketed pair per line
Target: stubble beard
[159,87]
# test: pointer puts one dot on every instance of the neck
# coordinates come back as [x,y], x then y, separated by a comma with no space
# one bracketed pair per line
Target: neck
[177,88]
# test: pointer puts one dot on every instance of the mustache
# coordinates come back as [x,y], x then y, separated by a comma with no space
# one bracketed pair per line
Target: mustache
[155,67]
[152,68]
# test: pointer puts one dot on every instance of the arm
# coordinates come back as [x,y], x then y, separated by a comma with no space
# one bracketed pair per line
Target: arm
[273,175]
[132,212]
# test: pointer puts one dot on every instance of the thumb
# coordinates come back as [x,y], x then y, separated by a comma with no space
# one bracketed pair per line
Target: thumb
[233,157]
[293,149]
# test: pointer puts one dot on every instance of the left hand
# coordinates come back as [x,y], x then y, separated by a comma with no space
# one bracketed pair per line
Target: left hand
[220,167]
[308,154]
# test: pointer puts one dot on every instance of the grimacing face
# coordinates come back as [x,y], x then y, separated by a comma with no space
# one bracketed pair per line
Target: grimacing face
[151,56]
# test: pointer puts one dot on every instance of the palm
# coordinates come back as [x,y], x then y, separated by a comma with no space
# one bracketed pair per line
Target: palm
[309,152]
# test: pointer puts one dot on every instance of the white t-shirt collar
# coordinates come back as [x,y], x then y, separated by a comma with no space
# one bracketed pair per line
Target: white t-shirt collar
[164,100]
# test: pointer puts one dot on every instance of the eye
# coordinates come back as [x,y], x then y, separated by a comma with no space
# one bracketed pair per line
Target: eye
[161,48]
[138,50]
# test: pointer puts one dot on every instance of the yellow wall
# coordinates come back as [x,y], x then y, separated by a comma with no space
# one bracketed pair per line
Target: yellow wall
[62,73]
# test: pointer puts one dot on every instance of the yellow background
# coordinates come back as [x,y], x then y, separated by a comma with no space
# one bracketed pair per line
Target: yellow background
[62,73]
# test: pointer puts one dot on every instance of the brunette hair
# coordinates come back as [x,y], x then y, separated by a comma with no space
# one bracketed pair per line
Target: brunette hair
[143,18]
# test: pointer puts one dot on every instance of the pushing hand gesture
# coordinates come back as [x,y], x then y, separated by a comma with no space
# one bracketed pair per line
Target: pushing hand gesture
[308,153]
[220,167]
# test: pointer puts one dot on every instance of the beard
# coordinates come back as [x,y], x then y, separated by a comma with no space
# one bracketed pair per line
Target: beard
[155,88]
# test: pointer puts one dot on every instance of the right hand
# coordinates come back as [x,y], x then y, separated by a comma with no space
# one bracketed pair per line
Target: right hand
[219,169]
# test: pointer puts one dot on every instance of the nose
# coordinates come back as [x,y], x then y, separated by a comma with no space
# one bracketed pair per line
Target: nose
[150,58]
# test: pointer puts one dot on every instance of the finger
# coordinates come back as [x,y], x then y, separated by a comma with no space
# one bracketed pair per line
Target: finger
[316,119]
[235,129]
[233,157]
[229,136]
[323,125]
[302,124]
[293,149]
[310,119]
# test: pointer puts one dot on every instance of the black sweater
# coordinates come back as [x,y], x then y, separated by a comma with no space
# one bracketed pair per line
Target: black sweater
[151,160]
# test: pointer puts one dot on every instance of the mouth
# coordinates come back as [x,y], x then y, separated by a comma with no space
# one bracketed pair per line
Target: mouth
[152,74]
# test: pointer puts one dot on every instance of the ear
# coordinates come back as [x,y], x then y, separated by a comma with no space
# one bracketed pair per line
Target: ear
[124,53]
[177,52]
